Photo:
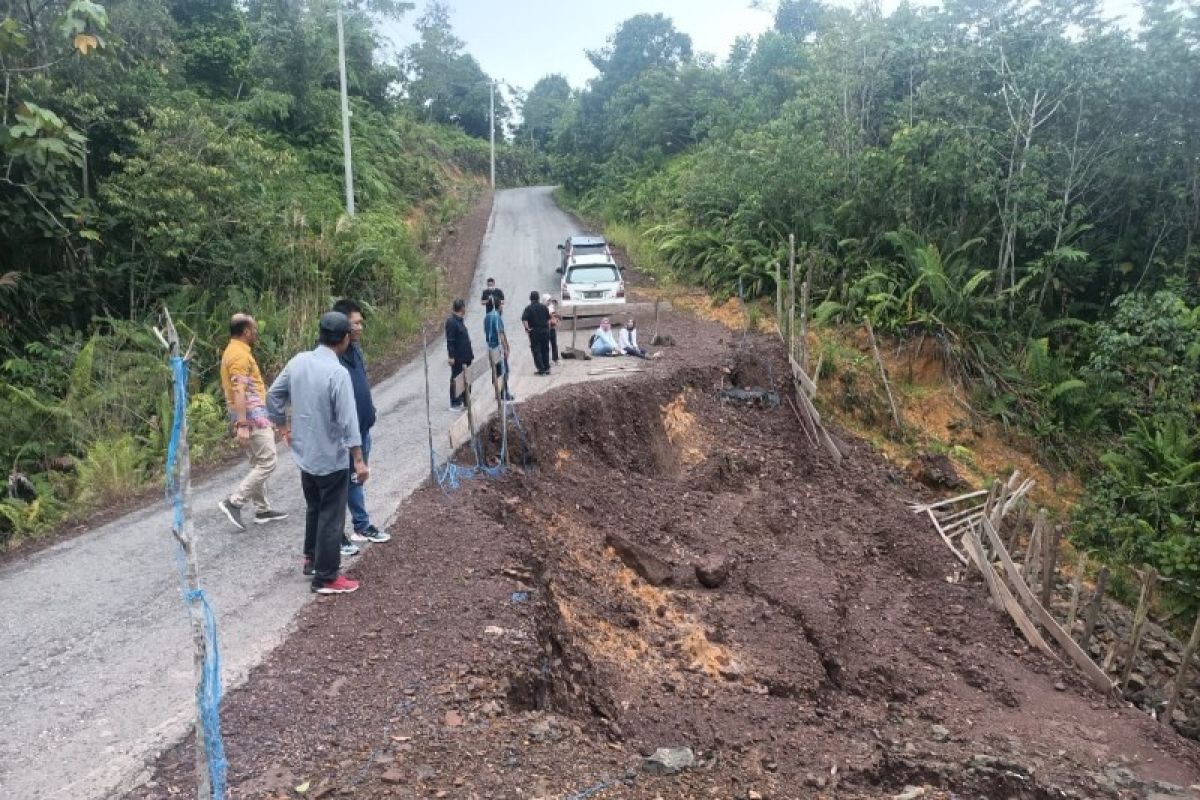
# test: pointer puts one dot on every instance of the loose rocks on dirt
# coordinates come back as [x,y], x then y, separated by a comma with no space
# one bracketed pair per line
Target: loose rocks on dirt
[712,571]
[653,569]
[669,760]
[935,471]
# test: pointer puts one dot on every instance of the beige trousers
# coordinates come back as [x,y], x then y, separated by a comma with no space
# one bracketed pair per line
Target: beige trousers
[261,452]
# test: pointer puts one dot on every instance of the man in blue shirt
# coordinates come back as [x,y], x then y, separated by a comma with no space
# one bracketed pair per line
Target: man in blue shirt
[354,362]
[324,437]
[493,332]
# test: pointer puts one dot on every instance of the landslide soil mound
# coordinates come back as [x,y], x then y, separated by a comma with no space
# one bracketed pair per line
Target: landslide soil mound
[538,634]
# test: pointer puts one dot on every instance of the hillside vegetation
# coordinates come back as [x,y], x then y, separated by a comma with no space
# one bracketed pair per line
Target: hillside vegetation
[188,153]
[1016,184]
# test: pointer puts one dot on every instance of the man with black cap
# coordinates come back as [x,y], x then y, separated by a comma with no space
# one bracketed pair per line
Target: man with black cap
[324,439]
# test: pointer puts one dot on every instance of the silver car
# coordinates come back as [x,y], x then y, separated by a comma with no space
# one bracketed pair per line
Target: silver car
[592,280]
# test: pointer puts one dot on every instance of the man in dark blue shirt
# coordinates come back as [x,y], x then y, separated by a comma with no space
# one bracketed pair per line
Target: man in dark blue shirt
[356,365]
[458,348]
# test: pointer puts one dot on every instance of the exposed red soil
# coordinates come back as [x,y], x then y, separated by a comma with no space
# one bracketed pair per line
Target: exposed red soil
[820,668]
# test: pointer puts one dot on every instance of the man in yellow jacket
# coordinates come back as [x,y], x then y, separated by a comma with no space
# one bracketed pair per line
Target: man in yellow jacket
[246,399]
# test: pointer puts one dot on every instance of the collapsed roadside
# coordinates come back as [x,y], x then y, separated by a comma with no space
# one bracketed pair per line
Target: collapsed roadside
[539,634]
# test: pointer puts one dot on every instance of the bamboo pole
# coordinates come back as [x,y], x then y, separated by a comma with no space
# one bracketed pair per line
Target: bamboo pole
[1139,624]
[1076,588]
[1049,560]
[428,413]
[1093,610]
[1029,568]
[883,373]
[805,293]
[1177,685]
[779,299]
[791,315]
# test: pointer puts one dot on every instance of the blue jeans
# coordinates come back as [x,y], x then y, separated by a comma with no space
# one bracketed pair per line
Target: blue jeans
[356,497]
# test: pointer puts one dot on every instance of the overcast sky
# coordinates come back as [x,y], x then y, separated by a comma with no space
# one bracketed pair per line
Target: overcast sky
[523,40]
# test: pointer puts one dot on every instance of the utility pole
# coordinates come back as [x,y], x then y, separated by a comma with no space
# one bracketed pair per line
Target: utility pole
[492,119]
[346,115]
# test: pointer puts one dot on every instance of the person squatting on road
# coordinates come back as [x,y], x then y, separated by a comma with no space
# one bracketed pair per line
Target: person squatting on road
[245,399]
[458,347]
[552,306]
[324,437]
[627,340]
[536,319]
[493,333]
[603,343]
[493,294]
[362,530]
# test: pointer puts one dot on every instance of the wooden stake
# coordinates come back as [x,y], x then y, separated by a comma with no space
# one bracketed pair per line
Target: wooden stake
[1029,567]
[1139,623]
[1093,610]
[654,338]
[805,288]
[1015,538]
[1077,655]
[791,314]
[1049,559]
[1076,587]
[804,309]
[1177,686]
[779,299]
[428,414]
[883,373]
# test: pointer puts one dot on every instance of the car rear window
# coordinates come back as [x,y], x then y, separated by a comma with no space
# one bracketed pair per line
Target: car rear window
[588,250]
[597,274]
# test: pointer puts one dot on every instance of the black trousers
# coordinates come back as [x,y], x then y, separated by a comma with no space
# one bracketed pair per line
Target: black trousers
[539,343]
[502,376]
[455,371]
[324,518]
[554,343]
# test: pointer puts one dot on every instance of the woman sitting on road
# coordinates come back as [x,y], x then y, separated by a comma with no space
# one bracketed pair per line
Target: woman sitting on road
[603,343]
[627,340]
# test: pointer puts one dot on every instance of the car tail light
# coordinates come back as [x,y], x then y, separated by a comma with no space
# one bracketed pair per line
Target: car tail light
[621,290]
[566,293]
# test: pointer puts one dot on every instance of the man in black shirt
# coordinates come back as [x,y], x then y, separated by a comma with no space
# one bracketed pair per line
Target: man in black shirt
[493,294]
[458,347]
[536,320]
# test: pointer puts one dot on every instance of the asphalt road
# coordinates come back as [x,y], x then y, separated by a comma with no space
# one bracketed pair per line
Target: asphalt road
[95,649]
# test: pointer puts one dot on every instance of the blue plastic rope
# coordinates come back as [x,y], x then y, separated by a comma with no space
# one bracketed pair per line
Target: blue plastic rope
[451,476]
[208,693]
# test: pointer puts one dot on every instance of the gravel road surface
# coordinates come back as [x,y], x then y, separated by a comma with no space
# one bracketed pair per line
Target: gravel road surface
[95,651]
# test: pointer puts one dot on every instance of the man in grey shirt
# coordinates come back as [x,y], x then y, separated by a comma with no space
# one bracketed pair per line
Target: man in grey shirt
[324,430]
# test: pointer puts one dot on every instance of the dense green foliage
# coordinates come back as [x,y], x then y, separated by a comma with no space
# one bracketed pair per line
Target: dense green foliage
[188,153]
[1016,180]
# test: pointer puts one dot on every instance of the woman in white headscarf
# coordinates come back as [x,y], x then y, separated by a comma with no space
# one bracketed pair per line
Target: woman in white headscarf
[627,340]
[603,342]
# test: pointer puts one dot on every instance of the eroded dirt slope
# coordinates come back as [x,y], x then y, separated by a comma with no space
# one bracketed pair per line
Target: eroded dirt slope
[537,635]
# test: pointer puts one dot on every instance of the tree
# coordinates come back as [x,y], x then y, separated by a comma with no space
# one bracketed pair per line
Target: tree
[641,43]
[445,84]
[543,110]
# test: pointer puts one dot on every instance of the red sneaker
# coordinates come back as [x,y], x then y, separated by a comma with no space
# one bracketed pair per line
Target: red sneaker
[339,585]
